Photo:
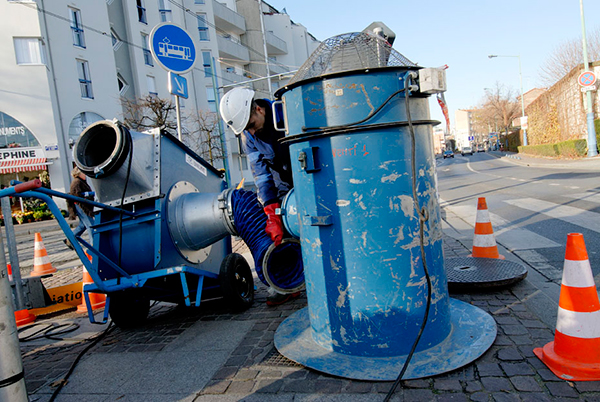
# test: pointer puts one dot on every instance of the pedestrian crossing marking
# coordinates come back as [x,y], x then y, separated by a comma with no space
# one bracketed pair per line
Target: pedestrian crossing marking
[575,216]
[507,234]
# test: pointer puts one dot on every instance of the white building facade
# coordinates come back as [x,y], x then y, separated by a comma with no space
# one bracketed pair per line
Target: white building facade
[68,64]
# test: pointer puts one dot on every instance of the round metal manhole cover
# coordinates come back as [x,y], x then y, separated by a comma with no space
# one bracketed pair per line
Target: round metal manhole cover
[472,272]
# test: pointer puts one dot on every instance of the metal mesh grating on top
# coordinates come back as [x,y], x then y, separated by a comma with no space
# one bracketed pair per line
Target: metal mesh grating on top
[350,51]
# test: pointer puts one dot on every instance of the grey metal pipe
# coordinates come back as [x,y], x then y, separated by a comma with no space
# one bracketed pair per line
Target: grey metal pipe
[11,242]
[12,380]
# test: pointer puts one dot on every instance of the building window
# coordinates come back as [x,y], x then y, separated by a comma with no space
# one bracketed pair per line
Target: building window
[146,49]
[29,51]
[206,62]
[80,123]
[198,1]
[85,81]
[116,41]
[151,85]
[210,97]
[203,27]
[123,86]
[141,11]
[164,9]
[76,27]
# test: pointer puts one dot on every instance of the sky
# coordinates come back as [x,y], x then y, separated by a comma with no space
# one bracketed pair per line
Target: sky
[461,34]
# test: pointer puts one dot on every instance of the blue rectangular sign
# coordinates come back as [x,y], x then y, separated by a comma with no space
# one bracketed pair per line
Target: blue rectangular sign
[178,85]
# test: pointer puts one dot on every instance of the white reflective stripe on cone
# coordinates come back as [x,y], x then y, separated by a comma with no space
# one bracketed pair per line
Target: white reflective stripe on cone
[38,245]
[41,260]
[578,325]
[578,274]
[483,216]
[484,240]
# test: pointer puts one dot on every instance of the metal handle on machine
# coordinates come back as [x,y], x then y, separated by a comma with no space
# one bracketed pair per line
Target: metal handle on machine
[277,102]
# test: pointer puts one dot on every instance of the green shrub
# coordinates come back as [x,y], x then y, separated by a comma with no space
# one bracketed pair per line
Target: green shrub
[572,148]
[566,149]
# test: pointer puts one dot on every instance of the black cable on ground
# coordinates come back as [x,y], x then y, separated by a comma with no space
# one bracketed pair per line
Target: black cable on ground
[62,382]
[423,217]
[49,331]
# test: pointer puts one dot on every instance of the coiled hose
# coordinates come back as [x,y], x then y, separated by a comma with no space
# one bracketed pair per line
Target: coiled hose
[284,265]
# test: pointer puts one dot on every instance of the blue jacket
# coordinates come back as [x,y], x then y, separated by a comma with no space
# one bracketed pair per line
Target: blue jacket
[269,160]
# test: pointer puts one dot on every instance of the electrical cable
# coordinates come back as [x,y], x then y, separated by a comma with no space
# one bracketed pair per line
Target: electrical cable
[36,7]
[49,331]
[423,217]
[64,380]
[370,116]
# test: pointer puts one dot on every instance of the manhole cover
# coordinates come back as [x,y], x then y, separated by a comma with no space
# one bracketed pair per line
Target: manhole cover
[471,272]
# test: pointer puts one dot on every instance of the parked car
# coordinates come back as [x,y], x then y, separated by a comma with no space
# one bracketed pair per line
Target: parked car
[480,148]
[448,154]
[466,150]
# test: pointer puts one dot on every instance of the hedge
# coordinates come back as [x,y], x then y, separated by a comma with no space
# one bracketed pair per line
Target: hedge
[566,149]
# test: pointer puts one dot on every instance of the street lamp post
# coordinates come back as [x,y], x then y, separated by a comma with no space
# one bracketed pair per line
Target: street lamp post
[491,56]
[592,151]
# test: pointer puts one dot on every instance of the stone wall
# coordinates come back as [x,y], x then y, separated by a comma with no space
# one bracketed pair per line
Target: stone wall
[559,114]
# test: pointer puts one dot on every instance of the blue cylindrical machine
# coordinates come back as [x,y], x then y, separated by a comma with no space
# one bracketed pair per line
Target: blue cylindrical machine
[349,135]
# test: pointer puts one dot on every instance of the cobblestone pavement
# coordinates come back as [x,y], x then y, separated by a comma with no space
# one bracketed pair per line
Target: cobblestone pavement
[508,371]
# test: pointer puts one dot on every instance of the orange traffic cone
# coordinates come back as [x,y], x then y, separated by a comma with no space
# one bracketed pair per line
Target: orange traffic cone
[575,352]
[9,268]
[41,261]
[97,300]
[23,317]
[484,242]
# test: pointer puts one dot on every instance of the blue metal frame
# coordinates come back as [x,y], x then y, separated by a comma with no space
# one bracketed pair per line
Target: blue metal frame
[126,281]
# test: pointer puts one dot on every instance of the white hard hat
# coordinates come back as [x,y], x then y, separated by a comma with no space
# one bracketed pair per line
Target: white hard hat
[235,108]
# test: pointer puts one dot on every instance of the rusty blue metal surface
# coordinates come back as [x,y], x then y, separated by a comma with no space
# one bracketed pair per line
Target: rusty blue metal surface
[472,331]
[358,225]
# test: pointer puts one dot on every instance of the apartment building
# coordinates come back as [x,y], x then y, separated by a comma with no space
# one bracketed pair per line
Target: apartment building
[70,63]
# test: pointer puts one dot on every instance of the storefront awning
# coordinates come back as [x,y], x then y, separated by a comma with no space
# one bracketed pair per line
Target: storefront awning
[23,165]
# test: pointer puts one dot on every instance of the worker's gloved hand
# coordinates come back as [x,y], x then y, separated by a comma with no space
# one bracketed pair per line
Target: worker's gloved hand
[274,224]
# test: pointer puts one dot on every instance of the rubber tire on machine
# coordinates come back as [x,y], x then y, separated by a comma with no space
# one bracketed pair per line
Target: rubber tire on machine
[237,282]
[128,309]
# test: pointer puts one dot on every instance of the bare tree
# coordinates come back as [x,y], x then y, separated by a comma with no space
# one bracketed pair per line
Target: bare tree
[568,55]
[501,104]
[149,112]
[205,139]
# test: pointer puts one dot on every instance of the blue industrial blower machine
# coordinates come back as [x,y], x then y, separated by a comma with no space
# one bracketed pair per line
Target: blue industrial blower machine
[162,225]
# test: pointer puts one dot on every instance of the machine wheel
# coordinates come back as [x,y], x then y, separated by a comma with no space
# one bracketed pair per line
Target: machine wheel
[128,309]
[236,282]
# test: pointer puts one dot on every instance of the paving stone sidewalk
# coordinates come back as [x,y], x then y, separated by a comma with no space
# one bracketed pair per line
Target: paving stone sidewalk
[255,371]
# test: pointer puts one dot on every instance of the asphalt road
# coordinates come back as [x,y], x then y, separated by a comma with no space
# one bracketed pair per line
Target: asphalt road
[531,208]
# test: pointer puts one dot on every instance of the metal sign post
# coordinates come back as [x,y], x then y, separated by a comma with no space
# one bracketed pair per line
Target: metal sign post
[175,51]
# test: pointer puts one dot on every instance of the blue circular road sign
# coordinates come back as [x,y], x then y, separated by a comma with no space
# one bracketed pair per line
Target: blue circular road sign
[172,48]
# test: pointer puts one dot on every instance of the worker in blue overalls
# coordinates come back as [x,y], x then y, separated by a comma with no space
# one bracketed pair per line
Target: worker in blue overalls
[269,159]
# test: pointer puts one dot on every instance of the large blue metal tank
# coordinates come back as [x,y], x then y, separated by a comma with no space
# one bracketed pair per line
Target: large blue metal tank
[359,231]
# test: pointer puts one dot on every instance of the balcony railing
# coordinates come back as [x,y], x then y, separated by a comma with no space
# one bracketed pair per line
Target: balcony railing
[275,45]
[230,49]
[227,19]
